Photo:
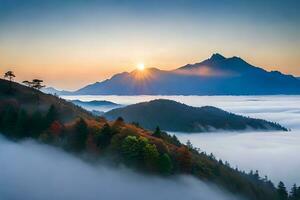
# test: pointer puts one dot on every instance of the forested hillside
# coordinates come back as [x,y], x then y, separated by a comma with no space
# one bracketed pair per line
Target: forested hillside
[28,113]
[173,116]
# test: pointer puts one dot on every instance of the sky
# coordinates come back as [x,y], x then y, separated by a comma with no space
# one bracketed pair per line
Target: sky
[71,43]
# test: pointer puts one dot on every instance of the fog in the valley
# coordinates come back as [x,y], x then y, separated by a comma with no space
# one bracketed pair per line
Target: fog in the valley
[275,154]
[32,171]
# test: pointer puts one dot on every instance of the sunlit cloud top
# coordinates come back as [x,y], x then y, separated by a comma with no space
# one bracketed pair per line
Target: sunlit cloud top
[72,43]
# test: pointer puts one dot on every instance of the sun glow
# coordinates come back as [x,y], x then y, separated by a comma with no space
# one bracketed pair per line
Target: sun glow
[140,66]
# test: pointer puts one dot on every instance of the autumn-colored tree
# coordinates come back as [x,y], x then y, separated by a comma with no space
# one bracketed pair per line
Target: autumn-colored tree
[91,145]
[184,159]
[56,128]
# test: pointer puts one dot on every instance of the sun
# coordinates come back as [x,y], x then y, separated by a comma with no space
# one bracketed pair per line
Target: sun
[140,66]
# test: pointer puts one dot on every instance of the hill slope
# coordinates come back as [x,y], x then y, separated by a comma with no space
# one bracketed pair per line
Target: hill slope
[56,122]
[173,116]
[215,76]
[33,100]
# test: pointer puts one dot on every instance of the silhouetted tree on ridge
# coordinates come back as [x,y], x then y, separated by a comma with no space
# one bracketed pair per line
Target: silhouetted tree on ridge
[10,76]
[27,83]
[37,84]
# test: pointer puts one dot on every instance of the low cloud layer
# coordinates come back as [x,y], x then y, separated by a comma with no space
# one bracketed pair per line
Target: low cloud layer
[271,153]
[274,154]
[32,171]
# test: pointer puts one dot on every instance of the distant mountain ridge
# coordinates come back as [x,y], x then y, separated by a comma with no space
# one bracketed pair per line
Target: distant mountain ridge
[173,116]
[54,91]
[217,75]
[94,103]
[97,107]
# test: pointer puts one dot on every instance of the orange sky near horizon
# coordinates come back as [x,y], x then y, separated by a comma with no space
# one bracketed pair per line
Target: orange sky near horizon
[72,74]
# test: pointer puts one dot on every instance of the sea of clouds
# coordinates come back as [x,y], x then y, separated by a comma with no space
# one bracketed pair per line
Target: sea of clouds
[275,154]
[32,171]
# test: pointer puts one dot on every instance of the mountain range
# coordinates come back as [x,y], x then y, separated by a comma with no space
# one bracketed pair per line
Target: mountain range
[217,75]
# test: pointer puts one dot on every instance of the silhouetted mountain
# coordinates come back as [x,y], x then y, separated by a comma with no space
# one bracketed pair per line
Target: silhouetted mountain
[215,76]
[173,116]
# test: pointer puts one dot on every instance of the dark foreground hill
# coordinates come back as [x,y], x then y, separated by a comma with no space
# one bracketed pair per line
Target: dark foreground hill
[27,113]
[214,76]
[173,116]
[32,100]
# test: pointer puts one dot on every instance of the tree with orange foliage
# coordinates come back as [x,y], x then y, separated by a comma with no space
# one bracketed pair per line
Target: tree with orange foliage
[184,159]
[56,128]
[91,145]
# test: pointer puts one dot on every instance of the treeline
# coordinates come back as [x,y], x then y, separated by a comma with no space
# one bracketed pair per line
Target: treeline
[133,150]
[157,153]
[17,123]
[121,143]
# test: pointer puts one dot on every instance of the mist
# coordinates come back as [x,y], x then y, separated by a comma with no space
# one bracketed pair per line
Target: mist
[275,154]
[33,171]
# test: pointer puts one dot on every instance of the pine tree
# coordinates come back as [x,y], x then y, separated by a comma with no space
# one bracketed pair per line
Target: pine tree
[51,115]
[8,120]
[281,190]
[21,125]
[157,132]
[104,136]
[80,136]
[295,193]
